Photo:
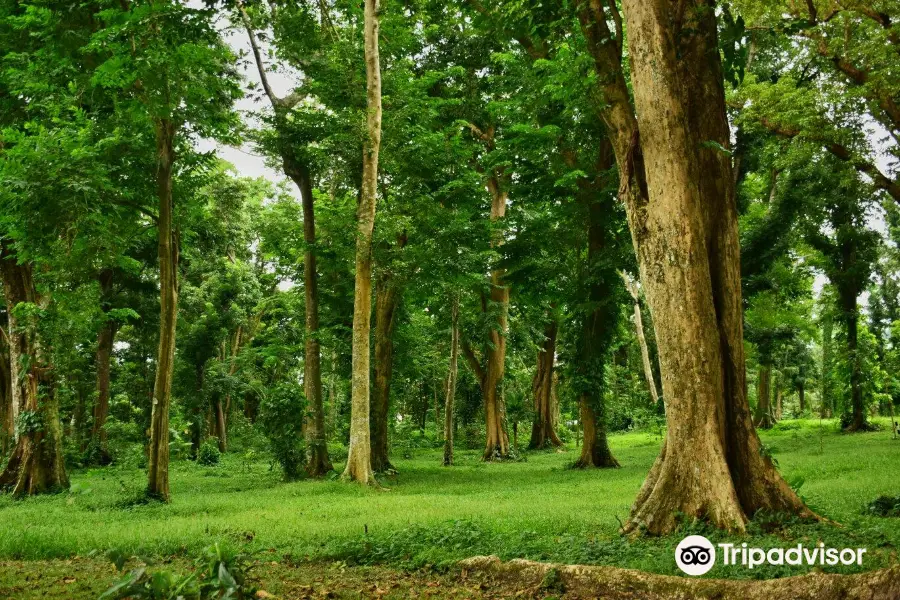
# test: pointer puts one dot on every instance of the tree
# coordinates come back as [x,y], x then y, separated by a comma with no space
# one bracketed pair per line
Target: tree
[450,393]
[296,164]
[359,461]
[174,71]
[672,152]
[36,465]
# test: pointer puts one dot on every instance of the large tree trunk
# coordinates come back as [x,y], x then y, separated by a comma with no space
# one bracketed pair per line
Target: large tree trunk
[386,301]
[595,450]
[763,415]
[451,381]
[678,190]
[359,459]
[497,442]
[158,464]
[543,431]
[632,288]
[105,340]
[36,465]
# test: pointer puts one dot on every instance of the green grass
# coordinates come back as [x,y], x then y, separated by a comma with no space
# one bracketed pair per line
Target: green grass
[430,515]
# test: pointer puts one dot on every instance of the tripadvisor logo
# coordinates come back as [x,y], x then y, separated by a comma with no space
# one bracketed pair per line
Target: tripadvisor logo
[696,555]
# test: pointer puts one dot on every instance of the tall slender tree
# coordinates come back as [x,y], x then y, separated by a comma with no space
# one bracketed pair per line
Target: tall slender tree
[296,165]
[359,459]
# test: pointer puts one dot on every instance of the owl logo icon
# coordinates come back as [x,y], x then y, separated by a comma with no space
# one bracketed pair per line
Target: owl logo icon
[695,555]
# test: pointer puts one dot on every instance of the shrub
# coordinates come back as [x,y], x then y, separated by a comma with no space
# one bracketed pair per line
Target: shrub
[209,454]
[219,574]
[281,421]
[884,506]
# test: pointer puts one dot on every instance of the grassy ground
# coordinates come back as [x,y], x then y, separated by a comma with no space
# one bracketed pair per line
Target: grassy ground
[430,515]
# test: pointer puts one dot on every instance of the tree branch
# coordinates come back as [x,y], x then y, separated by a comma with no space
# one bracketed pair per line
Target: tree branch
[277,103]
[474,364]
[843,153]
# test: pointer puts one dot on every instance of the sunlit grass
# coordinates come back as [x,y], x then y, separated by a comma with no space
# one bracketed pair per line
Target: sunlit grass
[429,514]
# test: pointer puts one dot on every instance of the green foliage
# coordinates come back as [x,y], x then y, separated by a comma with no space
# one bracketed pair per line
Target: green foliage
[209,454]
[220,574]
[29,422]
[281,413]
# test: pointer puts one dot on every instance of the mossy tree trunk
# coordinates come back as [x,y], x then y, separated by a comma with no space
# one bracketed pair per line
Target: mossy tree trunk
[105,340]
[850,317]
[36,465]
[599,324]
[7,408]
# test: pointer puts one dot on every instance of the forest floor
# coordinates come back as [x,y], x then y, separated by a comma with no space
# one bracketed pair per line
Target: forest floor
[410,532]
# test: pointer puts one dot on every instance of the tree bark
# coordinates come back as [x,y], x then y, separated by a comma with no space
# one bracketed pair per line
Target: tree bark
[543,432]
[158,464]
[318,462]
[359,459]
[386,302]
[801,392]
[497,440]
[678,190]
[850,315]
[763,415]
[595,450]
[597,330]
[105,340]
[450,395]
[221,427]
[779,396]
[36,465]
[7,409]
[825,410]
[632,288]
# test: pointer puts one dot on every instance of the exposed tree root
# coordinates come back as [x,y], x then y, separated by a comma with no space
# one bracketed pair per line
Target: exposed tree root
[612,583]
